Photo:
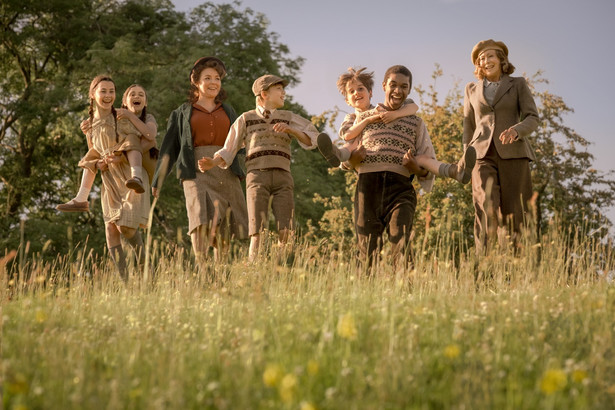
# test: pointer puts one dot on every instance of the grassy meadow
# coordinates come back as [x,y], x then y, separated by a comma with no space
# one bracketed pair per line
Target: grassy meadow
[304,328]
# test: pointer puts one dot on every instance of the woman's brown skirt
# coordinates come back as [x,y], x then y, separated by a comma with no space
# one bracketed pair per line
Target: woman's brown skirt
[216,199]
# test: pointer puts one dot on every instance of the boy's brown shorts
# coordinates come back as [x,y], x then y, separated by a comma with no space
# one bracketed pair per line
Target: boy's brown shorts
[263,184]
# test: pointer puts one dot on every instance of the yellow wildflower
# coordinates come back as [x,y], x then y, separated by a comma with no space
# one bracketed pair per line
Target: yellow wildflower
[313,367]
[272,375]
[579,375]
[553,380]
[40,315]
[346,327]
[306,405]
[288,387]
[452,351]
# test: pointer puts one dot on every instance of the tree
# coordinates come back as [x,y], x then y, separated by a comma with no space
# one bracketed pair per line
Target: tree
[40,43]
[50,51]
[448,208]
[564,177]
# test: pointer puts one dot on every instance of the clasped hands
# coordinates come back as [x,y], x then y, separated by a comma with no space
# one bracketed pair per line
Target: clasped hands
[103,163]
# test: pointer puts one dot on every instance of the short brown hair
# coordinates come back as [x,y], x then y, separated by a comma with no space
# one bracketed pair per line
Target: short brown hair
[367,79]
[507,67]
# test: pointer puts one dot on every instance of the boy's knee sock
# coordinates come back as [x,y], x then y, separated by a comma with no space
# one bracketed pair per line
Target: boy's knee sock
[344,154]
[447,170]
[136,241]
[119,258]
[87,180]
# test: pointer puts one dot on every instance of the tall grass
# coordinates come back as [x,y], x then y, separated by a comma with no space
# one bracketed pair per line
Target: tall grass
[304,327]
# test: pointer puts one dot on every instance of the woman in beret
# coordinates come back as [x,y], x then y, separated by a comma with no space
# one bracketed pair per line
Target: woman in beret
[499,116]
[215,201]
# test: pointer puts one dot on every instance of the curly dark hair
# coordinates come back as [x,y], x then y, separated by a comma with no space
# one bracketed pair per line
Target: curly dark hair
[195,75]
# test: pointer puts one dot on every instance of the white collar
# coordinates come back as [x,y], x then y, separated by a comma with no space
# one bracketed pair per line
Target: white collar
[261,110]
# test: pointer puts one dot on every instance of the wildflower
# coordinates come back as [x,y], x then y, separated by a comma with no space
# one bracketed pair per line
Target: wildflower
[272,375]
[40,316]
[288,387]
[346,327]
[578,376]
[306,405]
[312,367]
[553,380]
[452,351]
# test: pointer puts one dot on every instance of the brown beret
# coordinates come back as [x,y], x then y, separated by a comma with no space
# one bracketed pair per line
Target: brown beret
[488,45]
[264,82]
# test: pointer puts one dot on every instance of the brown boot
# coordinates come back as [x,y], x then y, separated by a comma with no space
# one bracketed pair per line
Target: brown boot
[135,184]
[328,149]
[74,206]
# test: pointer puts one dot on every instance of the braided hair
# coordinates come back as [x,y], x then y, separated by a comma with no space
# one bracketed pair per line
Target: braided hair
[97,80]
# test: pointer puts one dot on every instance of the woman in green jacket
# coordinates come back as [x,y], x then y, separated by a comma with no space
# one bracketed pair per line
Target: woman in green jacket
[215,202]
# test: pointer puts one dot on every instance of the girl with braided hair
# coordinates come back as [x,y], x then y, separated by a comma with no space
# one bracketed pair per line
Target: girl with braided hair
[134,109]
[110,139]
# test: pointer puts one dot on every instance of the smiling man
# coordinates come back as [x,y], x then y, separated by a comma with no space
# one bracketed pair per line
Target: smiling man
[385,198]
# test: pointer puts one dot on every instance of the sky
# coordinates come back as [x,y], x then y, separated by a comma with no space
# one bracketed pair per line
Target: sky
[569,40]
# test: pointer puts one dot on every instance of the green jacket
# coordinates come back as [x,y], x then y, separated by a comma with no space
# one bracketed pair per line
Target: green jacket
[177,146]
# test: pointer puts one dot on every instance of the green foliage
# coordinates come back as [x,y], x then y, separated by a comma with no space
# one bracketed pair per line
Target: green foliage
[50,51]
[448,200]
[242,39]
[564,177]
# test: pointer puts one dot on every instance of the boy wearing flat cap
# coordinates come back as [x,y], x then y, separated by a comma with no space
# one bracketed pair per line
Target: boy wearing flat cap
[266,132]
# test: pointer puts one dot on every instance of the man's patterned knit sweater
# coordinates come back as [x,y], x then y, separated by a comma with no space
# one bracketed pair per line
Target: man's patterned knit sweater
[386,145]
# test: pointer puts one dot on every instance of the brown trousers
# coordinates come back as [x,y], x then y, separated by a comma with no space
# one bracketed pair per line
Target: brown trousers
[501,189]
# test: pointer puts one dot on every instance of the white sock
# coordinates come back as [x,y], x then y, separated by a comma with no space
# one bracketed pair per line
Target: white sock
[344,154]
[87,180]
[135,172]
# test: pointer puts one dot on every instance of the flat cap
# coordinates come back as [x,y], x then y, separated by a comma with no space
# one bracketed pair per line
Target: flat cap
[262,83]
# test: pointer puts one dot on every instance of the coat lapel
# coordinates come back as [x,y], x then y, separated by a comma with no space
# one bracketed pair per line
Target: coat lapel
[505,84]
[480,87]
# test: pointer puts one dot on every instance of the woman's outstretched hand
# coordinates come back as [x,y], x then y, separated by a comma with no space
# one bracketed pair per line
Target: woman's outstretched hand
[206,163]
